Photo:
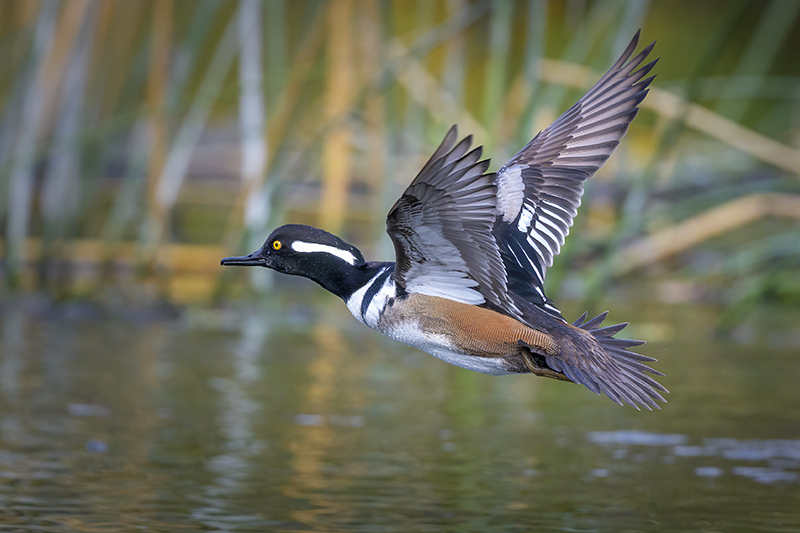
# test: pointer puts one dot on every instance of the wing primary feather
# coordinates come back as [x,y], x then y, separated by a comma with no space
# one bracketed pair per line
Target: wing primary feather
[444,147]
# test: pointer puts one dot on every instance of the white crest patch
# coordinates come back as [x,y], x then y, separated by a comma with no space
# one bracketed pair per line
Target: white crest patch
[311,247]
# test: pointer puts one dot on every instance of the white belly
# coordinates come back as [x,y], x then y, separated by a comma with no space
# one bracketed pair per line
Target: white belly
[439,346]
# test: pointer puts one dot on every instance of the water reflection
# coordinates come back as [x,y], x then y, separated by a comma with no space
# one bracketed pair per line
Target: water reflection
[237,414]
[334,420]
[108,426]
[641,438]
[782,456]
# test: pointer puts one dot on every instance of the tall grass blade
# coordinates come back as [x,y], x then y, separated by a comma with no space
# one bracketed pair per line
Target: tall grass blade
[148,140]
[550,100]
[414,120]
[252,121]
[712,222]
[632,20]
[339,92]
[285,112]
[455,65]
[535,35]
[61,190]
[20,197]
[497,62]
[252,118]
[376,145]
[275,40]
[129,196]
[773,29]
[173,173]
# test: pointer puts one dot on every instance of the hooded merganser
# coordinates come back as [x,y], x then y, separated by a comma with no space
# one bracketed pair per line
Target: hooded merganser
[472,249]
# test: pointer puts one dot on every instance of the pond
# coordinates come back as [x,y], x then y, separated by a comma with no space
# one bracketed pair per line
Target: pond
[291,420]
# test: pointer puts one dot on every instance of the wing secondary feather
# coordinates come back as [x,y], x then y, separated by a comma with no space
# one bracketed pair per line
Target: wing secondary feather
[441,228]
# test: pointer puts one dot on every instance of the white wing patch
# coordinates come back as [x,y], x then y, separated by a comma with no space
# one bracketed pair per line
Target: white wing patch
[525,219]
[544,229]
[312,247]
[510,192]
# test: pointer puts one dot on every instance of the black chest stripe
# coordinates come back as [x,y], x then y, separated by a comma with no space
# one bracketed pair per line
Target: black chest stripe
[375,286]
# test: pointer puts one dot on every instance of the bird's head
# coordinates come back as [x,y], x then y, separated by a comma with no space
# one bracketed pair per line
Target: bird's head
[306,251]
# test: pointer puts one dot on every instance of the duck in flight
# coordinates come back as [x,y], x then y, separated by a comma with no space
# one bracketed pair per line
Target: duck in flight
[472,249]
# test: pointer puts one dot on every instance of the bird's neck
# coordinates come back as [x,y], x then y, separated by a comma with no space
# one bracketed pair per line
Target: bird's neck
[341,278]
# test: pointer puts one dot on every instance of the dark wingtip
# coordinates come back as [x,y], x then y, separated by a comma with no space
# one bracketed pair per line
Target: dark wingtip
[634,42]
[452,133]
[646,83]
[628,382]
[643,71]
[647,49]
[596,321]
[581,319]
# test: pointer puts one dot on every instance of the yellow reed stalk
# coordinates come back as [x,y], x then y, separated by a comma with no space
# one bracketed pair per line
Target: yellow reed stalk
[156,97]
[706,225]
[374,108]
[21,178]
[341,81]
[26,12]
[280,114]
[119,25]
[425,89]
[69,25]
[670,105]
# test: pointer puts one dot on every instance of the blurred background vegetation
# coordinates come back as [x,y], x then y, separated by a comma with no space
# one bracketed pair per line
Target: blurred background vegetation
[141,141]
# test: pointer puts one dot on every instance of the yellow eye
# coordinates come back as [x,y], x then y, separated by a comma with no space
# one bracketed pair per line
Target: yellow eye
[276,245]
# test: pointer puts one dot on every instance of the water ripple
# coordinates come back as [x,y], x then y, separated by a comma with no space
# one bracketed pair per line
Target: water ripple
[783,455]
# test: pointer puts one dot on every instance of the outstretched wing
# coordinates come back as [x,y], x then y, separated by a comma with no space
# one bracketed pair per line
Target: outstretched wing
[539,190]
[442,226]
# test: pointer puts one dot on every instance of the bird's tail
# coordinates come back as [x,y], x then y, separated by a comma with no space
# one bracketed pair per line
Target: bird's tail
[626,381]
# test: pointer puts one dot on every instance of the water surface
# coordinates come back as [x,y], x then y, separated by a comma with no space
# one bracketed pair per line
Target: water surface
[277,421]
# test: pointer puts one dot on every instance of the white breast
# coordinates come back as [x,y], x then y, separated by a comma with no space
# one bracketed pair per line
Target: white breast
[410,333]
[377,304]
[439,346]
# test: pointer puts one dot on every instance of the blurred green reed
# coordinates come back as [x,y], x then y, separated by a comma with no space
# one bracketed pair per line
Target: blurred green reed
[140,141]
